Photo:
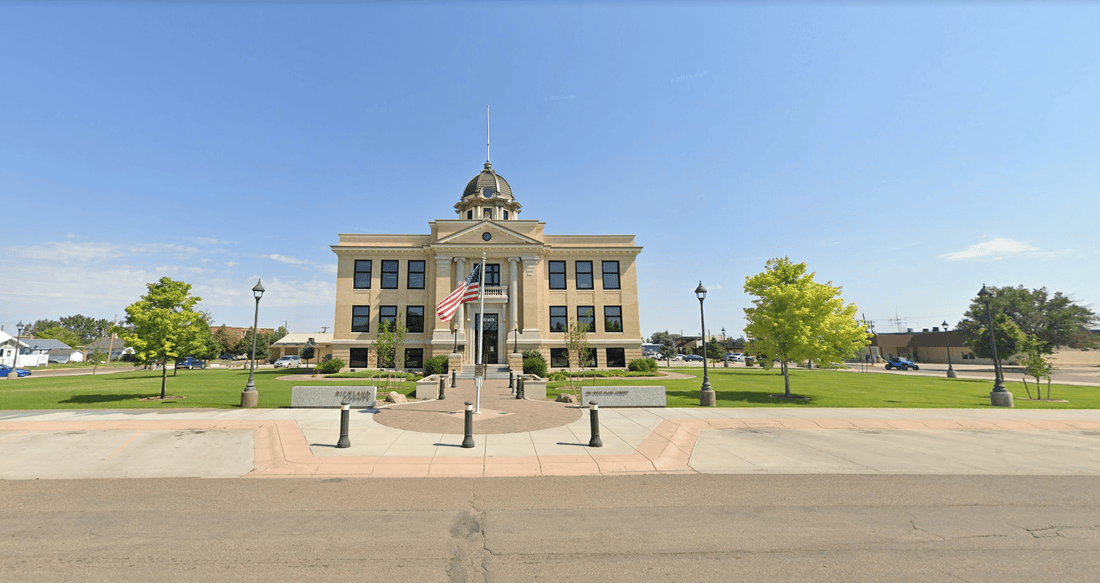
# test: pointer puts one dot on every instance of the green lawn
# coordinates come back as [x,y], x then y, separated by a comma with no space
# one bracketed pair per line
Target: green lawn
[211,388]
[750,387]
[736,387]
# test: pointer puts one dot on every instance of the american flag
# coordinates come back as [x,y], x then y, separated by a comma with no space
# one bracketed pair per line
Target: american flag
[465,292]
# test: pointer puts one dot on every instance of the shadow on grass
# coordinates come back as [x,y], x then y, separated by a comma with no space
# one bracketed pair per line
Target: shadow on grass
[90,399]
[762,397]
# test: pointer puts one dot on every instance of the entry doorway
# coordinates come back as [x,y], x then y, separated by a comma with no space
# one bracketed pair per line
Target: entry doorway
[489,352]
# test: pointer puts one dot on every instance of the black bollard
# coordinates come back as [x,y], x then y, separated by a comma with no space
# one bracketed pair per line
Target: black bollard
[468,441]
[345,411]
[512,381]
[442,383]
[519,388]
[594,415]
[454,374]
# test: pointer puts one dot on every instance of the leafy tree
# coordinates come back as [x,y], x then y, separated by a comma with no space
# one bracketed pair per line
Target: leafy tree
[97,357]
[263,343]
[39,326]
[62,334]
[164,325]
[225,340]
[209,348]
[89,329]
[1052,321]
[576,342]
[389,344]
[1037,365]
[667,344]
[794,318]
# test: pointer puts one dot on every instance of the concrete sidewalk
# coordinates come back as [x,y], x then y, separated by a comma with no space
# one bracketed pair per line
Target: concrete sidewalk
[301,442]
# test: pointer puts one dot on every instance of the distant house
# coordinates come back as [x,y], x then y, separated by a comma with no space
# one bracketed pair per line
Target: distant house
[926,346]
[114,347]
[54,350]
[8,351]
[292,344]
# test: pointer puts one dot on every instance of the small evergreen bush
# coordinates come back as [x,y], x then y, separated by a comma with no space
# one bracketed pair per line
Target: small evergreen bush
[330,366]
[435,365]
[535,365]
[642,365]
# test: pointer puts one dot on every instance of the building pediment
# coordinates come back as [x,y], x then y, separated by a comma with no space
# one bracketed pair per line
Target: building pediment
[498,235]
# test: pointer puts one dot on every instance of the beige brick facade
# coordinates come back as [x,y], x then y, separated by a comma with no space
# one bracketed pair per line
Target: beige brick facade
[517,296]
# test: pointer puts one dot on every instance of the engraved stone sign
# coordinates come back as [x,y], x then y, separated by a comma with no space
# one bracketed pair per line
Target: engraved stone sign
[330,397]
[625,396]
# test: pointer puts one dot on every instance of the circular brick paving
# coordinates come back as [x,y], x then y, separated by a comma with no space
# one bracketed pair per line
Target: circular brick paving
[500,412]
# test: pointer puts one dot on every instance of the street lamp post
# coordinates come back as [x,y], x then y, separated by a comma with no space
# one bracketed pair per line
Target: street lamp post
[249,396]
[999,397]
[706,394]
[725,347]
[15,353]
[950,370]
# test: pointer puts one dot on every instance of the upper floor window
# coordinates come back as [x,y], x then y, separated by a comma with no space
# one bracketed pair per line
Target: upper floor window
[612,318]
[362,274]
[492,274]
[488,213]
[387,315]
[414,319]
[506,215]
[416,274]
[586,317]
[559,318]
[611,275]
[557,275]
[584,275]
[470,214]
[389,273]
[360,318]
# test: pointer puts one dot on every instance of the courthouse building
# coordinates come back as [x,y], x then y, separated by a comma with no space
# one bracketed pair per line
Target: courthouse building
[534,285]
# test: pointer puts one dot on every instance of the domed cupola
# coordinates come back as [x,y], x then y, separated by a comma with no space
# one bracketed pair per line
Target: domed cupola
[488,196]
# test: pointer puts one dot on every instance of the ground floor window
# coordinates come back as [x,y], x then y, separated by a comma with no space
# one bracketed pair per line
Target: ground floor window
[414,358]
[559,358]
[968,356]
[592,363]
[616,357]
[358,358]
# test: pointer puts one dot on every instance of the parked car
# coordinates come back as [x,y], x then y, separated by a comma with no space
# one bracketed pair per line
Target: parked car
[288,361]
[735,357]
[901,364]
[693,357]
[19,372]
[227,356]
[190,363]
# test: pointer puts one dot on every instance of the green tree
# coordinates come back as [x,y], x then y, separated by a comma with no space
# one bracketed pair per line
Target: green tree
[1052,321]
[308,351]
[667,343]
[61,334]
[1037,365]
[794,318]
[89,329]
[164,325]
[96,357]
[579,350]
[715,350]
[389,343]
[263,343]
[226,343]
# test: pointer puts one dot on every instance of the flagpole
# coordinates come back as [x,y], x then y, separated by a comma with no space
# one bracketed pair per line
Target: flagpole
[480,366]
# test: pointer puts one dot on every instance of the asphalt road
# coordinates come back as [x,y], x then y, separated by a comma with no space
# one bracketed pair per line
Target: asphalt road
[631,528]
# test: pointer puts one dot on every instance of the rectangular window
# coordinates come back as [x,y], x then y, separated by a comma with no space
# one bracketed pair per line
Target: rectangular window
[416,274]
[584,275]
[389,273]
[360,318]
[559,318]
[387,315]
[559,358]
[612,319]
[362,274]
[611,275]
[506,215]
[469,215]
[414,358]
[414,319]
[591,358]
[492,274]
[586,315]
[616,357]
[557,275]
[358,358]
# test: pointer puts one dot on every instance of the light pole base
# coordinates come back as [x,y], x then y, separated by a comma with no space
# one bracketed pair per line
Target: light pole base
[1000,398]
[707,398]
[951,374]
[250,398]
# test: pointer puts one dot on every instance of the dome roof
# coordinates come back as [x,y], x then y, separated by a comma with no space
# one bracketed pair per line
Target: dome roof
[488,179]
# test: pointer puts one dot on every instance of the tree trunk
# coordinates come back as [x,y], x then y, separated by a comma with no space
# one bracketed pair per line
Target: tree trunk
[163,377]
[1040,391]
[786,377]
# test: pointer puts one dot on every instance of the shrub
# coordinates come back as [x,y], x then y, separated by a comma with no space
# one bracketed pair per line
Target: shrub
[330,366]
[435,365]
[535,365]
[642,365]
[532,354]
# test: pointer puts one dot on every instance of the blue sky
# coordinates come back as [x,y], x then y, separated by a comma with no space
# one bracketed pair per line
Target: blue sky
[907,152]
